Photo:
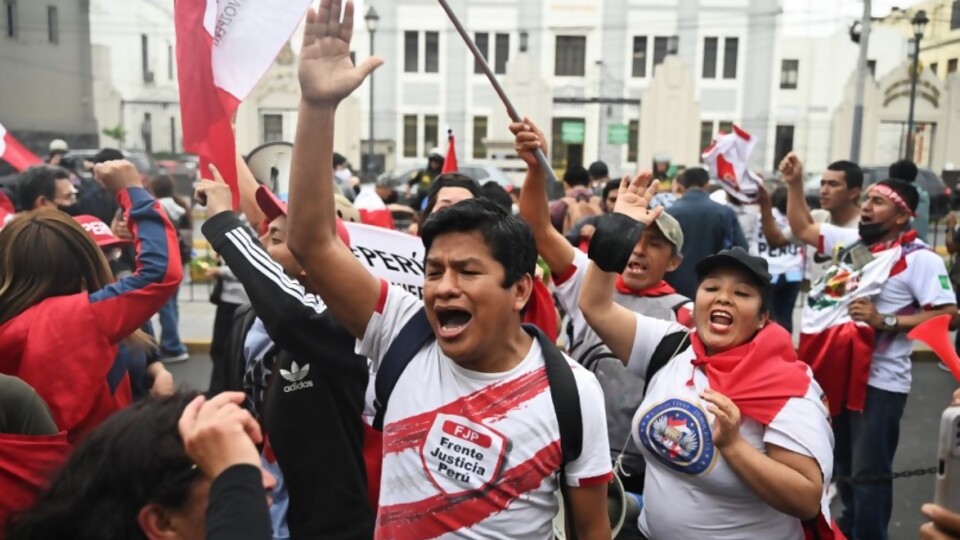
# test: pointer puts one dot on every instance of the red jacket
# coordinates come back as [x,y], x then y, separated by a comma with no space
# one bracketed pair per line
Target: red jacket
[66,346]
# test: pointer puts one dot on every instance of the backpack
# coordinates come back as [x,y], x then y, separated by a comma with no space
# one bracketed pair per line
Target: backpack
[234,361]
[417,333]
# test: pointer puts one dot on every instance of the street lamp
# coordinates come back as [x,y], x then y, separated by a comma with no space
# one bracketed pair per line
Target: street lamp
[919,23]
[371,19]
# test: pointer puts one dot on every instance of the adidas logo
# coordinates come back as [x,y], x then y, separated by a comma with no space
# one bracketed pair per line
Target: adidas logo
[296,375]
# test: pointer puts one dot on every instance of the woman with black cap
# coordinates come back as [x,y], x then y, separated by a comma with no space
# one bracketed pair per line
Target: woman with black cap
[732,426]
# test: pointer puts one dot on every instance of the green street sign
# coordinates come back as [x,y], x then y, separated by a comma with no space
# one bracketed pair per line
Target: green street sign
[572,132]
[618,134]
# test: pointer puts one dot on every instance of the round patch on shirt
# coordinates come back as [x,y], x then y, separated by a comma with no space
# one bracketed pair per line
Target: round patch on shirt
[461,455]
[678,433]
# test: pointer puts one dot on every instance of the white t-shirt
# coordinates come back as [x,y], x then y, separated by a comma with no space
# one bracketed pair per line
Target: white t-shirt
[921,283]
[474,455]
[814,269]
[690,491]
[781,260]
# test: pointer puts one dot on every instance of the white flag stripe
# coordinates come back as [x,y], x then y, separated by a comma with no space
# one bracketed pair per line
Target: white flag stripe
[247,35]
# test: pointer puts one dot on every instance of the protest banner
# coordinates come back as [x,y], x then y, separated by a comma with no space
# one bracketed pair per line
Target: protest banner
[394,256]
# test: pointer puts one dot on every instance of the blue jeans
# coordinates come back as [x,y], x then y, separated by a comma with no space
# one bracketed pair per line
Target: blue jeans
[170,343]
[865,445]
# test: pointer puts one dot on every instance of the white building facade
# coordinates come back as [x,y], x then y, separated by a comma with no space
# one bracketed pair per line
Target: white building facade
[135,74]
[597,58]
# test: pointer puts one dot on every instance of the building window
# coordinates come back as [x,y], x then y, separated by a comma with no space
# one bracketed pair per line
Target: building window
[951,65]
[173,134]
[411,51]
[502,53]
[566,148]
[272,128]
[571,56]
[169,62]
[146,132]
[659,49]
[431,61]
[955,15]
[633,141]
[872,68]
[639,56]
[145,58]
[725,127]
[730,46]
[482,41]
[789,72]
[53,25]
[410,135]
[933,69]
[710,45]
[431,130]
[479,137]
[783,144]
[706,135]
[11,18]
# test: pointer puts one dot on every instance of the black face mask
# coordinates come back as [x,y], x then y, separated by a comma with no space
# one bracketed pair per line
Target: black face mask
[871,233]
[72,210]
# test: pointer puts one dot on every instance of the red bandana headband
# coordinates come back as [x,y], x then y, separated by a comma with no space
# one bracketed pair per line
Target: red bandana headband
[889,193]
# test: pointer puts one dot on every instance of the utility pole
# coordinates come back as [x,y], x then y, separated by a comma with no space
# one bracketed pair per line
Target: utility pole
[861,83]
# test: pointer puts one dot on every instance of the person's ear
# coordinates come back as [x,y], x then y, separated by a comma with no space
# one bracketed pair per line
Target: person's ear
[674,262]
[523,290]
[764,320]
[855,195]
[155,522]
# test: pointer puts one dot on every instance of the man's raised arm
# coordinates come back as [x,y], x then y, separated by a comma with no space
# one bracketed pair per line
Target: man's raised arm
[327,76]
[798,214]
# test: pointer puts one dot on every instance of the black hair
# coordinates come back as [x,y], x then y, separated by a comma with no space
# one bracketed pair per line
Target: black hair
[134,458]
[905,189]
[779,199]
[576,176]
[695,177]
[39,181]
[162,186]
[447,180]
[612,185]
[852,173]
[497,194]
[107,154]
[509,238]
[598,170]
[338,160]
[765,289]
[905,170]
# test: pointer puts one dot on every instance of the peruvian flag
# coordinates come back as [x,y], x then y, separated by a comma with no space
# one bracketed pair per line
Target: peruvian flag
[727,160]
[450,162]
[372,209]
[223,48]
[15,153]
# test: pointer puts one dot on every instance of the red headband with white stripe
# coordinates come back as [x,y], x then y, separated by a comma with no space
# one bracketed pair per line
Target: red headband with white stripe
[889,193]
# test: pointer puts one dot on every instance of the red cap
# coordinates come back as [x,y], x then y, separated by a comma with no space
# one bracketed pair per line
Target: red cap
[100,232]
[273,207]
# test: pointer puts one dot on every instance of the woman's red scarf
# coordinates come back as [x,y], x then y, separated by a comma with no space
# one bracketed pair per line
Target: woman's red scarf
[759,376]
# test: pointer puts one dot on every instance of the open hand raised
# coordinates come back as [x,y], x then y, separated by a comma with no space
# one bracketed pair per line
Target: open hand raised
[634,198]
[327,75]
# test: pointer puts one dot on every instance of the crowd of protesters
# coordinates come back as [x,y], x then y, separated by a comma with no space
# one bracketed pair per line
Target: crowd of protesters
[616,348]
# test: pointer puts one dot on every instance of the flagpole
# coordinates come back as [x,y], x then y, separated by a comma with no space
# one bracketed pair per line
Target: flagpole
[511,111]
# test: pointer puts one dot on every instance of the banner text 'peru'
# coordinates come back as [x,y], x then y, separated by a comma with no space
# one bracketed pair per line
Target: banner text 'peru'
[15,153]
[223,48]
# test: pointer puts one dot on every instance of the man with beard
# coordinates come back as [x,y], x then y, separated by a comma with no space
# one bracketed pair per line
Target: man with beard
[883,282]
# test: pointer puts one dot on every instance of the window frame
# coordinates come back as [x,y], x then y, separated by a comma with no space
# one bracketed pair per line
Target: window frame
[709,69]
[411,64]
[560,59]
[639,64]
[53,25]
[730,66]
[789,66]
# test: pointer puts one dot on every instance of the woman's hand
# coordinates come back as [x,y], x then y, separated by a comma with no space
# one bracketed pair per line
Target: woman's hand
[726,429]
[163,384]
[217,434]
[634,197]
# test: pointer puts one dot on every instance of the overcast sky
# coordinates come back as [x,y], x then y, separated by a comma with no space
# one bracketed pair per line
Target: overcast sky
[817,17]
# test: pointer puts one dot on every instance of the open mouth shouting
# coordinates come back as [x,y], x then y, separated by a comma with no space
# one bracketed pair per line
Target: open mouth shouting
[721,321]
[452,322]
[636,267]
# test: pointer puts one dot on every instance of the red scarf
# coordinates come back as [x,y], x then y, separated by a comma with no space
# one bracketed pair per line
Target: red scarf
[758,376]
[660,289]
[26,465]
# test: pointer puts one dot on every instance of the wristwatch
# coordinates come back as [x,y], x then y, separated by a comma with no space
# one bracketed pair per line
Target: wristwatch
[890,322]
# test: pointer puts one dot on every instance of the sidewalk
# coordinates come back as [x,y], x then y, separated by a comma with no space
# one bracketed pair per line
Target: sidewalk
[196,317]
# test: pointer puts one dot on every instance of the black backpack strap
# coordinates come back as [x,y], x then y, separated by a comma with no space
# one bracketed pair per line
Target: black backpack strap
[234,362]
[592,356]
[412,337]
[669,347]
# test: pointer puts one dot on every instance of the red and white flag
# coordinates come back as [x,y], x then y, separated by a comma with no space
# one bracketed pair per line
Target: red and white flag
[15,153]
[223,48]
[373,211]
[727,160]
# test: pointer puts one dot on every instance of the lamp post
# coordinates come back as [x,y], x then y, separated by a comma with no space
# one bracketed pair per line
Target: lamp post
[371,19]
[919,23]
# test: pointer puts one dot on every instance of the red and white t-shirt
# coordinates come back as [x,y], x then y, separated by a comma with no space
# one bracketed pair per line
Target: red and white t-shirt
[474,455]
[918,281]
[690,491]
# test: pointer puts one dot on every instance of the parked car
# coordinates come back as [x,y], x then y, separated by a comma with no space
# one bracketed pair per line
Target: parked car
[481,172]
[143,162]
[940,194]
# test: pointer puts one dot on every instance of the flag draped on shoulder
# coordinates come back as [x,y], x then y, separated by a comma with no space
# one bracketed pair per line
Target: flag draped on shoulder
[727,160]
[223,48]
[15,153]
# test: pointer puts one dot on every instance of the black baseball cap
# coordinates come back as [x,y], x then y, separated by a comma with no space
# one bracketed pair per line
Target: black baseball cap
[738,258]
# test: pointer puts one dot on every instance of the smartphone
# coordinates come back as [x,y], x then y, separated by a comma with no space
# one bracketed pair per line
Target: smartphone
[947,493]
